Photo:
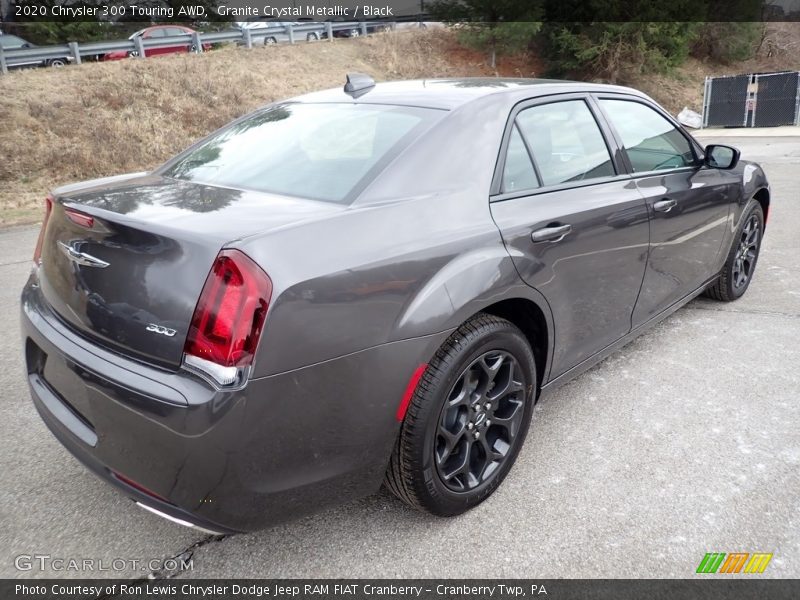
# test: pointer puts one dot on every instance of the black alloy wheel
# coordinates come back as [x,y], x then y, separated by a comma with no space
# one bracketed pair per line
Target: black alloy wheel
[480,421]
[740,265]
[467,419]
[745,261]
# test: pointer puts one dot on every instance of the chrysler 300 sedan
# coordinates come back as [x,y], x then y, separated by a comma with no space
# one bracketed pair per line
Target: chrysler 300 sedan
[369,284]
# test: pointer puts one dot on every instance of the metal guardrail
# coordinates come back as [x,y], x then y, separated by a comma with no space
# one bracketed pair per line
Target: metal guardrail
[289,33]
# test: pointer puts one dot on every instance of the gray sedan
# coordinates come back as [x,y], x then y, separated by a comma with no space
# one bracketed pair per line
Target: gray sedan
[371,284]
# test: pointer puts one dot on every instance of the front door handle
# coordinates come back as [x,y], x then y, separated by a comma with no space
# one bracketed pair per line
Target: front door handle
[665,205]
[551,233]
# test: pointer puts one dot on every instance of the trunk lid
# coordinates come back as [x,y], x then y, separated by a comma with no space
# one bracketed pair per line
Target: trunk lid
[130,279]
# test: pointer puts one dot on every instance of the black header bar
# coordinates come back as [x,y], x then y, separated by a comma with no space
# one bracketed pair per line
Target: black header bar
[199,11]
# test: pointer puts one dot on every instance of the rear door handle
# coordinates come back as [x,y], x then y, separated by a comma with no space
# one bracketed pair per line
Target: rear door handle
[551,233]
[665,205]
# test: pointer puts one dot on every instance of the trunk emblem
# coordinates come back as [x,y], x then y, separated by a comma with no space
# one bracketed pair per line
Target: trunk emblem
[81,258]
[161,329]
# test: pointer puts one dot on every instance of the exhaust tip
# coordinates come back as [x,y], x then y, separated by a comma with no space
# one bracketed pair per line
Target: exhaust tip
[164,515]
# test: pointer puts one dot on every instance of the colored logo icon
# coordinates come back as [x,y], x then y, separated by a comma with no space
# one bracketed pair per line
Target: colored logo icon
[734,562]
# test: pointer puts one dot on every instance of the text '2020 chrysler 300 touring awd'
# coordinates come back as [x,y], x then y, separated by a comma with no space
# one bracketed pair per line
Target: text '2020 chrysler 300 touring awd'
[369,284]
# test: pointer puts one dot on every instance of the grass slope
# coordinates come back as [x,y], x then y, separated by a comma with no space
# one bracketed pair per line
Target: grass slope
[98,119]
[75,123]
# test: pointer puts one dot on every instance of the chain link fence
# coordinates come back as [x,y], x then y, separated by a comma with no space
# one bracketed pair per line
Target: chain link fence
[753,100]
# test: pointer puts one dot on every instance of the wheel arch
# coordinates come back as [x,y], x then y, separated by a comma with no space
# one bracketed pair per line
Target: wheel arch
[481,281]
[530,319]
[762,197]
[531,316]
[755,186]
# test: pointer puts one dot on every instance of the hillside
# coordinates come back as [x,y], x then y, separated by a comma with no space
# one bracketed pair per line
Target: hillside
[79,122]
[779,51]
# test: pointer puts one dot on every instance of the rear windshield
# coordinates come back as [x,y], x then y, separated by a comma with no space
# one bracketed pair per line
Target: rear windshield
[323,152]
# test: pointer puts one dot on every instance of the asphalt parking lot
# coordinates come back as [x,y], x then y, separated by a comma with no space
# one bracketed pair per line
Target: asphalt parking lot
[686,441]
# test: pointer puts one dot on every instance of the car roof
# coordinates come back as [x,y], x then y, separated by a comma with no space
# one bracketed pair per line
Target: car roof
[451,93]
[10,38]
[152,27]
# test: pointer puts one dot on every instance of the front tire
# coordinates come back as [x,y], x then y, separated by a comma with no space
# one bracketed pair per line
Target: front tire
[740,265]
[467,419]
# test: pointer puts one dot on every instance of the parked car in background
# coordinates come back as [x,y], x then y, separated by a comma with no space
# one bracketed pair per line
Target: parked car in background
[155,32]
[311,36]
[256,24]
[355,31]
[14,42]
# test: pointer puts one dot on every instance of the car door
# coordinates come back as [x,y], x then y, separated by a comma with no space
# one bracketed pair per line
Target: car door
[573,221]
[176,31]
[688,203]
[156,33]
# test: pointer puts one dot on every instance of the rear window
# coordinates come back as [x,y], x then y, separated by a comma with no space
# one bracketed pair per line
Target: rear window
[323,152]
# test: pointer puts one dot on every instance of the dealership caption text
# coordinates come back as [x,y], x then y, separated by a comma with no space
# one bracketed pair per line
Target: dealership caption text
[280,590]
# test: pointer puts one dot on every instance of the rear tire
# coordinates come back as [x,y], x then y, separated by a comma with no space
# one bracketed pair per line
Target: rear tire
[467,419]
[740,264]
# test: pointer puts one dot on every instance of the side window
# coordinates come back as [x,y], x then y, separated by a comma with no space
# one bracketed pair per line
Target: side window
[651,141]
[518,173]
[566,142]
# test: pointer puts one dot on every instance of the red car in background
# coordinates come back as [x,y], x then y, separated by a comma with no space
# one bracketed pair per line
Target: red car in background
[155,32]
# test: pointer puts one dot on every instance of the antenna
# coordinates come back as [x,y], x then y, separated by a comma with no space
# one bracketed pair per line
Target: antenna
[358,84]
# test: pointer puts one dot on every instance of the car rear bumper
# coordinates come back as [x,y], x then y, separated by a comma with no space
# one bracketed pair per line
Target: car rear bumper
[223,461]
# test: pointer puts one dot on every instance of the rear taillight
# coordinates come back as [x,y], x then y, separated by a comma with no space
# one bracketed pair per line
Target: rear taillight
[48,208]
[228,318]
[79,218]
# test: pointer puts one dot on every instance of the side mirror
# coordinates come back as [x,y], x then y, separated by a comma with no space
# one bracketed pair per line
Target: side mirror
[721,157]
